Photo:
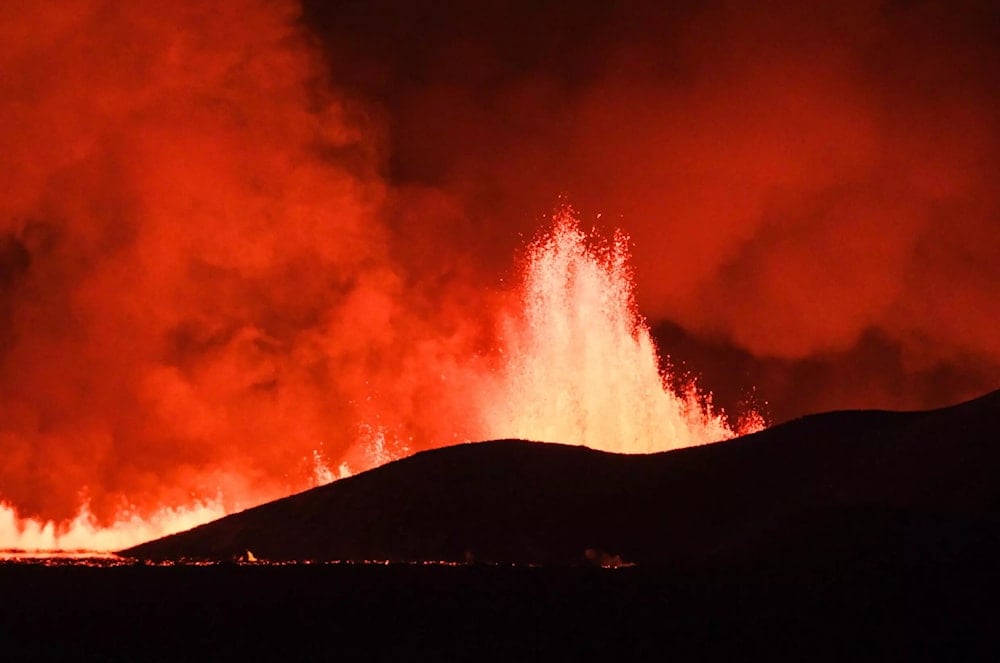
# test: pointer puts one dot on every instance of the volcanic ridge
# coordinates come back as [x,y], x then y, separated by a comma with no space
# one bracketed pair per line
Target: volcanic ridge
[900,487]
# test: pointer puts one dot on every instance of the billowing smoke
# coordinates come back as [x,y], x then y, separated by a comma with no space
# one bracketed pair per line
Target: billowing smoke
[811,188]
[195,288]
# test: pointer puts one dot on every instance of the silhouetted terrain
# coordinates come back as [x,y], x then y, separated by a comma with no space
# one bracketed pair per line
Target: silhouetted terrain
[891,488]
[844,536]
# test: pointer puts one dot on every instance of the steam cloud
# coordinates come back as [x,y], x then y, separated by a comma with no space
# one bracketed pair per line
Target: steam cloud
[196,291]
[811,189]
[214,262]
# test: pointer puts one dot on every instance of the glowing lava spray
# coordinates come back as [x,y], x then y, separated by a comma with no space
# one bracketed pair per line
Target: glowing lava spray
[580,366]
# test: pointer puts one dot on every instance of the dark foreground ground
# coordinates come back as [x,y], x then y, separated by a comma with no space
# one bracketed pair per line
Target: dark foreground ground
[806,610]
[919,486]
[843,536]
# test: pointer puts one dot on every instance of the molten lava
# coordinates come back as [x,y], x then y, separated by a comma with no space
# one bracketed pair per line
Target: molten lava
[580,365]
[84,534]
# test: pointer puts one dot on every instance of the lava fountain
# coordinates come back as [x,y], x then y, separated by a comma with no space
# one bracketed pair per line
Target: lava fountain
[579,363]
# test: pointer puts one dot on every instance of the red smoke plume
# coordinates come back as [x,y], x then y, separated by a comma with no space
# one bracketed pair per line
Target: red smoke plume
[811,188]
[194,278]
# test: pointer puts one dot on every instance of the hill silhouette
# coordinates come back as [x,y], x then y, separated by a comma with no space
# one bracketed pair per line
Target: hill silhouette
[888,488]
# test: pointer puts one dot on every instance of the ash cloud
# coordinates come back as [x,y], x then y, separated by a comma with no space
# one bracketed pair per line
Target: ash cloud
[196,290]
[801,182]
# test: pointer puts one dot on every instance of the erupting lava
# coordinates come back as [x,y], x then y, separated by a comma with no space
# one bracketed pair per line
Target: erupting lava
[577,365]
[83,534]
[580,365]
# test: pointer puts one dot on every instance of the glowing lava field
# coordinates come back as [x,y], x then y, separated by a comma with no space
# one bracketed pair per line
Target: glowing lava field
[514,329]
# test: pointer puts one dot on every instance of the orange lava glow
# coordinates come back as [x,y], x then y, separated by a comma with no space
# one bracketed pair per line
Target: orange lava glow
[83,533]
[579,364]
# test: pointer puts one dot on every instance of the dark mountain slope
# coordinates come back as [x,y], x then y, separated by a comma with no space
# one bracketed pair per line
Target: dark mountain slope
[907,487]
